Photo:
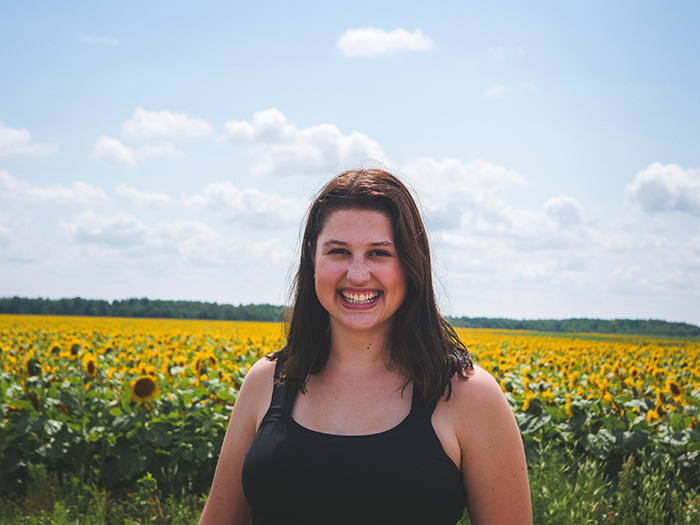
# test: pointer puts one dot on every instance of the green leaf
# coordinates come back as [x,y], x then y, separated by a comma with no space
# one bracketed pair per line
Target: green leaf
[530,423]
[600,444]
[131,464]
[52,427]
[157,434]
[203,450]
[634,441]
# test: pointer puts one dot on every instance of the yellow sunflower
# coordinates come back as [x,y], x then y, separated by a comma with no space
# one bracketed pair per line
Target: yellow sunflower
[90,366]
[144,388]
[674,389]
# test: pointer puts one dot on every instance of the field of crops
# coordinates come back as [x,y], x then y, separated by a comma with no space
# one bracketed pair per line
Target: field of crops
[114,400]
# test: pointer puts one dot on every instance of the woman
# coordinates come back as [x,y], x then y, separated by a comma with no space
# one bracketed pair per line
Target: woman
[373,413]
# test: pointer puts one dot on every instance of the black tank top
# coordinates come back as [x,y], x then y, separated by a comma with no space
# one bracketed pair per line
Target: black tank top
[294,475]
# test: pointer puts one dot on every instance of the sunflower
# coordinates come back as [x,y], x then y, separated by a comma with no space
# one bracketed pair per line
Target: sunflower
[90,366]
[674,389]
[33,367]
[143,389]
[75,348]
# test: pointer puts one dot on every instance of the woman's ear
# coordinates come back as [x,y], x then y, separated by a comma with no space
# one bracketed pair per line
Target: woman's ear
[312,252]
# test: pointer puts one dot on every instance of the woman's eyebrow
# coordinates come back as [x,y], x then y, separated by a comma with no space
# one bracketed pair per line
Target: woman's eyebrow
[330,242]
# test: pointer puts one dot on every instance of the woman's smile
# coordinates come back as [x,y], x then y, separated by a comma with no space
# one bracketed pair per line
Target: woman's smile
[360,298]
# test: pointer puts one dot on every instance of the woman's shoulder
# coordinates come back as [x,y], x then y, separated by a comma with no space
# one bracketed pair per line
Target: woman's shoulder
[478,395]
[261,375]
[256,392]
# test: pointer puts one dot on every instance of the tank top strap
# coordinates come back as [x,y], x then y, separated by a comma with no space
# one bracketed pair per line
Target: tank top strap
[280,391]
[419,407]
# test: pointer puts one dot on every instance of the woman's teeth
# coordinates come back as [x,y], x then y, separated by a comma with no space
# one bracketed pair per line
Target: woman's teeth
[361,298]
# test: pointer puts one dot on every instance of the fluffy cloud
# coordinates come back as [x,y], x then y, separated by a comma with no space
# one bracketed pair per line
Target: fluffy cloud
[119,230]
[14,189]
[142,198]
[660,188]
[370,41]
[463,202]
[176,246]
[280,148]
[149,125]
[116,153]
[248,206]
[452,180]
[565,211]
[19,142]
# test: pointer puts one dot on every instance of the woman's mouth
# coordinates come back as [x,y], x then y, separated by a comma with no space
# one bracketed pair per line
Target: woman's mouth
[359,298]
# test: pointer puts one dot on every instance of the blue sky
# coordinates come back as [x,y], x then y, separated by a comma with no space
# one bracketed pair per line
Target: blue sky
[169,149]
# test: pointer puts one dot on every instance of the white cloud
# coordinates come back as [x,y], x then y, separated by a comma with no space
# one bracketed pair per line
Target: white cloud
[280,148]
[14,189]
[163,150]
[148,125]
[141,198]
[119,230]
[662,188]
[249,206]
[453,178]
[371,41]
[495,91]
[116,153]
[170,249]
[463,200]
[19,142]
[200,245]
[565,211]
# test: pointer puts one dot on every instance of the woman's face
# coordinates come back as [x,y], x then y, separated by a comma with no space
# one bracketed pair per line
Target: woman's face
[359,278]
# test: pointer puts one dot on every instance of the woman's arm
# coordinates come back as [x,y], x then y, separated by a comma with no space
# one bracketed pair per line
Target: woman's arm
[226,503]
[492,455]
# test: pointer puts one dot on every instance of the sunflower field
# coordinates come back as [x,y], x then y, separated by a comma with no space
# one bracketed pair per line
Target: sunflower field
[114,400]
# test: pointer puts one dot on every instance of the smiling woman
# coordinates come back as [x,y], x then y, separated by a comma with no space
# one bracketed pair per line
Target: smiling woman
[373,413]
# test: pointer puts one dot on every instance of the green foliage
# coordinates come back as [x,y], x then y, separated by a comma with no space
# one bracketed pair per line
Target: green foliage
[616,326]
[68,501]
[141,308]
[569,488]
[175,437]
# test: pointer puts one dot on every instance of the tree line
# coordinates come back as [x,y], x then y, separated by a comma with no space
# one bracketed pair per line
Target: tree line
[155,309]
[651,327]
[160,309]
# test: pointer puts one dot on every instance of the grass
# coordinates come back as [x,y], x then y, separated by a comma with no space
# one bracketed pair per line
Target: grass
[67,500]
[565,489]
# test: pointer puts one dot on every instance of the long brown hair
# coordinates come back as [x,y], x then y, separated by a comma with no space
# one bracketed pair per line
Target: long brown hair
[423,344]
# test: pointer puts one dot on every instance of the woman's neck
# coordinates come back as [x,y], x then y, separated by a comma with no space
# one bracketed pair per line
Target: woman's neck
[360,349]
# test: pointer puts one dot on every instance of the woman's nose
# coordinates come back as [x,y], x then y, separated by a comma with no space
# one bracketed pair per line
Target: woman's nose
[358,271]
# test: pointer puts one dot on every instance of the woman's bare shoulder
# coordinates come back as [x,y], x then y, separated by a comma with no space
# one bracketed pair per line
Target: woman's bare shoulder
[260,374]
[477,398]
[256,391]
[477,386]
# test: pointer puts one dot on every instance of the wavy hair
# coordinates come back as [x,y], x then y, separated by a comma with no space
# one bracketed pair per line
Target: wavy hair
[422,343]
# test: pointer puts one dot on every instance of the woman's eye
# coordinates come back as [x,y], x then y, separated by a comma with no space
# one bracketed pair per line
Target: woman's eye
[337,251]
[381,253]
